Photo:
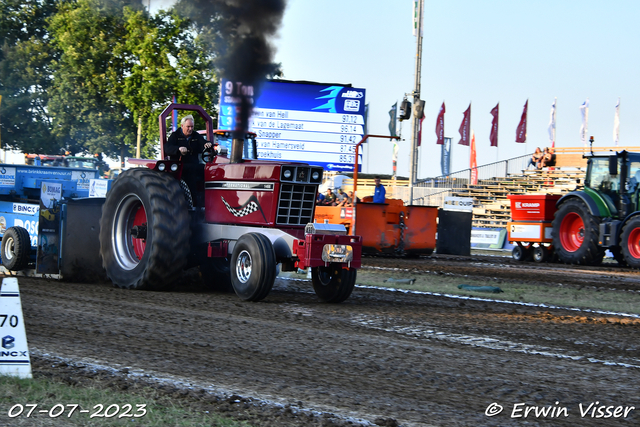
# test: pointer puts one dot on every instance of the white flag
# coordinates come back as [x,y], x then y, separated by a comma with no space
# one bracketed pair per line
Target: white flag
[418,7]
[552,124]
[584,129]
[616,124]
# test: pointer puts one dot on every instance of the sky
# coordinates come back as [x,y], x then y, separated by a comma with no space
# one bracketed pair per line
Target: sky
[478,53]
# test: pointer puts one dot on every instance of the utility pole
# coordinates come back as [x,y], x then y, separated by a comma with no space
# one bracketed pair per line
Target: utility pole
[419,6]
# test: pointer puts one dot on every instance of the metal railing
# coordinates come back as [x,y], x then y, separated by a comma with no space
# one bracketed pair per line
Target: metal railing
[432,191]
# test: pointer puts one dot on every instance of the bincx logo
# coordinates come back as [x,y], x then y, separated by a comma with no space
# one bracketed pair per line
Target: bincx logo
[8,342]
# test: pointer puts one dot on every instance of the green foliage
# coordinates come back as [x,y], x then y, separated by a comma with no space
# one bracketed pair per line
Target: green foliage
[169,61]
[85,100]
[78,74]
[25,75]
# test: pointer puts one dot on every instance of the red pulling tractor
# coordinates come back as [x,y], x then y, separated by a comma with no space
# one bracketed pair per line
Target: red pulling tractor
[256,215]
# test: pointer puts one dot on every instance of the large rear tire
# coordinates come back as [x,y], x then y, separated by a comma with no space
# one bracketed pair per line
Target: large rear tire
[253,267]
[575,234]
[144,230]
[630,242]
[333,284]
[16,248]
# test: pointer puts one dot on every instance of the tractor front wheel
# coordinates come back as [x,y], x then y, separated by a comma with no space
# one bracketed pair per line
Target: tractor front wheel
[630,242]
[333,283]
[16,248]
[253,267]
[144,230]
[575,234]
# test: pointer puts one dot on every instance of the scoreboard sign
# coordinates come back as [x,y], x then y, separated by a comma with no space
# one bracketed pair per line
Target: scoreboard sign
[319,124]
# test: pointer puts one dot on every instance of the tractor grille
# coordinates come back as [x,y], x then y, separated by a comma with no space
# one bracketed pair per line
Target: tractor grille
[295,205]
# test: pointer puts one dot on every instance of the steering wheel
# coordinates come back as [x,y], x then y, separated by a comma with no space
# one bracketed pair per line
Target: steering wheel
[208,154]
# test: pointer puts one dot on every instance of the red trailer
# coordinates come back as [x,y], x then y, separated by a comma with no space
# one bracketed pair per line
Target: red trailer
[530,226]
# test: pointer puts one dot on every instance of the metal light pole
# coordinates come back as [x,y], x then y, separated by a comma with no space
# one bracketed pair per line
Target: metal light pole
[416,100]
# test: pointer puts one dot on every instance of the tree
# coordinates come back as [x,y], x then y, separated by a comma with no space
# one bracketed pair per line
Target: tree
[168,62]
[86,99]
[118,64]
[77,75]
[25,75]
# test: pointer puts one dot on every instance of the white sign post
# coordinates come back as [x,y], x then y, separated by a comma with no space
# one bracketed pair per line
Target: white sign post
[14,352]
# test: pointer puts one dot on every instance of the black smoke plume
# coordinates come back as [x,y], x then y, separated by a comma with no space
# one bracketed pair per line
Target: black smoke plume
[240,31]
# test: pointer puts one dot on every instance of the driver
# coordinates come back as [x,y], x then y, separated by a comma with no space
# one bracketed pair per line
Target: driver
[186,144]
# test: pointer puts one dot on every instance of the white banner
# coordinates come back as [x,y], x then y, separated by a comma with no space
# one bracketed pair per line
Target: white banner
[616,124]
[584,129]
[458,204]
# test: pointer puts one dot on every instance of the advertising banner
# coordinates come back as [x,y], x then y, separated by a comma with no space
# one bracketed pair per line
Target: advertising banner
[49,228]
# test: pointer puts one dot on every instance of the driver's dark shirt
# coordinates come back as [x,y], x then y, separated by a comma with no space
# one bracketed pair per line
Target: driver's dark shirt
[194,143]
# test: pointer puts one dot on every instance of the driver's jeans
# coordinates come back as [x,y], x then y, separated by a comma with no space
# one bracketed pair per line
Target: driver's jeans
[193,176]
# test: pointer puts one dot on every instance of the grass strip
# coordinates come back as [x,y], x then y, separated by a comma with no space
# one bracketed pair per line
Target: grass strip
[106,407]
[551,294]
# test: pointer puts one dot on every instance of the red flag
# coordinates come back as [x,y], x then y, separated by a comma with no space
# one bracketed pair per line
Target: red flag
[464,127]
[473,164]
[493,137]
[521,132]
[420,130]
[440,125]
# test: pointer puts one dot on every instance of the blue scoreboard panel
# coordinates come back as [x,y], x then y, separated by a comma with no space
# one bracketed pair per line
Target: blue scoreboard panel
[319,124]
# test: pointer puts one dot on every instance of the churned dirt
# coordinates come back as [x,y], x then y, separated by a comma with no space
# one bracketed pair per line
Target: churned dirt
[380,358]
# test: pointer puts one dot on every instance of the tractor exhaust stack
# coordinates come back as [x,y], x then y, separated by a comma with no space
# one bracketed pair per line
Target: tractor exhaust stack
[237,145]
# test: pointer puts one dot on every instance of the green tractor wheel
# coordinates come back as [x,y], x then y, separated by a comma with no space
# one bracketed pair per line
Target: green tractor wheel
[575,234]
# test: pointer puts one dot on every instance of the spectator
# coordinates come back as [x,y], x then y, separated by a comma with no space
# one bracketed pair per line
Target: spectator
[380,192]
[535,158]
[330,198]
[341,198]
[549,158]
[350,199]
[320,199]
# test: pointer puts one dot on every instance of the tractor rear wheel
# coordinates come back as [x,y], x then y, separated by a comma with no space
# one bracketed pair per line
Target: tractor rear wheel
[16,248]
[630,242]
[575,234]
[333,283]
[253,267]
[144,230]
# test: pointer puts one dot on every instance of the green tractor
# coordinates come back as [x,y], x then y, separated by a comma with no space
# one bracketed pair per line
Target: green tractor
[605,215]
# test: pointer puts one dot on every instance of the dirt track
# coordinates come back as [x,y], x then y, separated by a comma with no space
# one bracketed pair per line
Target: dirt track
[381,357]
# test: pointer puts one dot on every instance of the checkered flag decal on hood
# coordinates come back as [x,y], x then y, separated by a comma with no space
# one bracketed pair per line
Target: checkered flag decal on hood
[250,206]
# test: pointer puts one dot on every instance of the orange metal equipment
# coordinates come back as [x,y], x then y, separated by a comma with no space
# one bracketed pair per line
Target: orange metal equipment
[530,227]
[386,228]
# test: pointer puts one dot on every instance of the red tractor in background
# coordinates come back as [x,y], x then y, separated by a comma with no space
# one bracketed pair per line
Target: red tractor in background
[257,214]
